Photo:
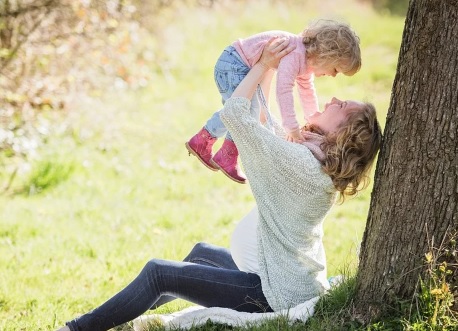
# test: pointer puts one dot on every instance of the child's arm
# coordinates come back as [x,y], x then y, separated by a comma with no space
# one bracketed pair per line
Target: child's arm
[287,74]
[307,95]
[293,136]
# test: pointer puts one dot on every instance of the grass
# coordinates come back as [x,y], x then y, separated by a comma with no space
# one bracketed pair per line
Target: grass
[117,187]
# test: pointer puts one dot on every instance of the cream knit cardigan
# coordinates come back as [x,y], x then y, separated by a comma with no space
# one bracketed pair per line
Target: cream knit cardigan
[293,195]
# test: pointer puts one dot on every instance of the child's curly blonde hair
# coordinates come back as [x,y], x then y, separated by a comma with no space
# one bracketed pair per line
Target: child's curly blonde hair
[332,43]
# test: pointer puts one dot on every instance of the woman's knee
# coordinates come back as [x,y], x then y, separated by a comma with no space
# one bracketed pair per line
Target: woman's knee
[196,251]
[151,266]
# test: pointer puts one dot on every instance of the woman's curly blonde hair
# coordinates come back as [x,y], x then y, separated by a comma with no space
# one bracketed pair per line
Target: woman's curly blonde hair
[332,43]
[351,150]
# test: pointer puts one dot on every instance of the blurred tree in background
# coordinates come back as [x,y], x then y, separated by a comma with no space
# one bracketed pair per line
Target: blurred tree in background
[52,51]
[395,7]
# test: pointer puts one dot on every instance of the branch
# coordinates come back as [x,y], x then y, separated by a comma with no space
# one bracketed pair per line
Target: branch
[24,10]
[26,37]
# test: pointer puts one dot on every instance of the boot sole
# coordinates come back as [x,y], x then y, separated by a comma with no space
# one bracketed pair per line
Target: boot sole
[191,151]
[227,175]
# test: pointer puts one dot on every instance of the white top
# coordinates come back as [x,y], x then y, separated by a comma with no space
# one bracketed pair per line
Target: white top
[244,245]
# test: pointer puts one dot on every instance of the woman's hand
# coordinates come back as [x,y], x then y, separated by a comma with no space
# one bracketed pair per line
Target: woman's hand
[274,50]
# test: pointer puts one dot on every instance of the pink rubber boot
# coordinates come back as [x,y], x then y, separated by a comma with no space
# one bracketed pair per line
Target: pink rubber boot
[201,146]
[226,160]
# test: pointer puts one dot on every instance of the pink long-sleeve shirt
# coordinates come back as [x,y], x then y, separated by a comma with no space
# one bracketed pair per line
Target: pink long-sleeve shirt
[291,70]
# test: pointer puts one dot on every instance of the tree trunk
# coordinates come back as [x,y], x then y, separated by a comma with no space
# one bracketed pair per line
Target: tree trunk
[414,200]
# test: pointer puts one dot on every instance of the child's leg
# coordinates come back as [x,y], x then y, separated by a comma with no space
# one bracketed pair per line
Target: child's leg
[215,126]
[229,72]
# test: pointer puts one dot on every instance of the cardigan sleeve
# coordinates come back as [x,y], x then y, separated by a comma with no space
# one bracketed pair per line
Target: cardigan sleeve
[278,129]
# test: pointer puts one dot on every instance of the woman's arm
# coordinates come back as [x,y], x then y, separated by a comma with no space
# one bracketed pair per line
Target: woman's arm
[265,87]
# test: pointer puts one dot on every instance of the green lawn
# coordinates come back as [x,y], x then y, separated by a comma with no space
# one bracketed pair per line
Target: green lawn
[122,188]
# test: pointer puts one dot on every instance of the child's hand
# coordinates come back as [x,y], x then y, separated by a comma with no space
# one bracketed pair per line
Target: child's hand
[295,136]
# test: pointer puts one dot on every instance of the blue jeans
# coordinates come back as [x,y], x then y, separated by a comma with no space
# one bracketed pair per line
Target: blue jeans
[208,277]
[229,72]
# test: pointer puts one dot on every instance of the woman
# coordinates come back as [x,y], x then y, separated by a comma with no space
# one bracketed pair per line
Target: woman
[277,258]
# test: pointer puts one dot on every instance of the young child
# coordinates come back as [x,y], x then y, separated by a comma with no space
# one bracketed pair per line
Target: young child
[325,48]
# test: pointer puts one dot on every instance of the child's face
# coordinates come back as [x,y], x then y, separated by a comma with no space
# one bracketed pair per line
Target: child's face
[325,70]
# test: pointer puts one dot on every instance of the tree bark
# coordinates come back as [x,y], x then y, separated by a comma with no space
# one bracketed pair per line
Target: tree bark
[414,200]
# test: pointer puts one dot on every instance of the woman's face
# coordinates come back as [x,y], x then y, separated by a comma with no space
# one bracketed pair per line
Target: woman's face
[334,114]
